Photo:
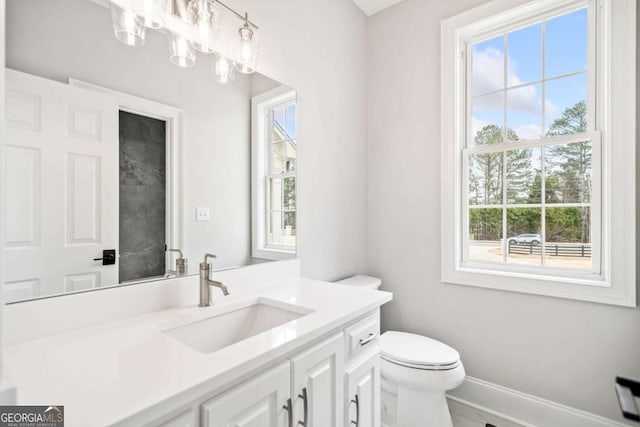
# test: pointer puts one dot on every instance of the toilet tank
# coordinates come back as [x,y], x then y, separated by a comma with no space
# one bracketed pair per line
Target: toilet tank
[361,281]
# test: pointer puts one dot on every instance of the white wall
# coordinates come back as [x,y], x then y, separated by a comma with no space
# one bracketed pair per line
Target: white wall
[319,48]
[216,118]
[562,350]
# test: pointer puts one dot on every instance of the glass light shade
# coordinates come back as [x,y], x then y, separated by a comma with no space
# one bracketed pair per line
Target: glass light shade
[224,69]
[203,16]
[246,50]
[152,12]
[127,26]
[182,53]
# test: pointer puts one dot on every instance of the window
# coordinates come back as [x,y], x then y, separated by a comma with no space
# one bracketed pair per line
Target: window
[530,163]
[529,94]
[274,150]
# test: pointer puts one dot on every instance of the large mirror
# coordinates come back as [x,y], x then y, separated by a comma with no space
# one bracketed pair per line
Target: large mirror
[121,167]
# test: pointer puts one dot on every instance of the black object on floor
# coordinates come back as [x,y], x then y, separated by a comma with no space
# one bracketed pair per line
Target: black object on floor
[627,390]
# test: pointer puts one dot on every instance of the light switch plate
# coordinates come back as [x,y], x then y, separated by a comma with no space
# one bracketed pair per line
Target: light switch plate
[203,214]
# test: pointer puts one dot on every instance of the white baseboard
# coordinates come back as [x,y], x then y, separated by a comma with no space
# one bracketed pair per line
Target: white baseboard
[7,394]
[522,409]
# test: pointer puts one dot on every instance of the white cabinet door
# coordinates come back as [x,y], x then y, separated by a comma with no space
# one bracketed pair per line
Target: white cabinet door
[318,384]
[260,402]
[61,180]
[363,393]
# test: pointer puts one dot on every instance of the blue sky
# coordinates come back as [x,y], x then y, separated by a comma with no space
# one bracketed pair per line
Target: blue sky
[565,52]
[286,117]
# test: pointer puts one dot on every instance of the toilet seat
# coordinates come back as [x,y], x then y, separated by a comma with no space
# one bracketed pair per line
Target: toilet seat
[417,352]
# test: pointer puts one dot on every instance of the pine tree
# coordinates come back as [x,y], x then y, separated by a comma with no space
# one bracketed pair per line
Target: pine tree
[570,165]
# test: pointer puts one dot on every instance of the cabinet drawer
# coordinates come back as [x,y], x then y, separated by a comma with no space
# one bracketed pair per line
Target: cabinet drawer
[363,335]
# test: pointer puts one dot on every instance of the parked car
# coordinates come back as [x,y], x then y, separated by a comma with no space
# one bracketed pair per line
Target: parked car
[526,239]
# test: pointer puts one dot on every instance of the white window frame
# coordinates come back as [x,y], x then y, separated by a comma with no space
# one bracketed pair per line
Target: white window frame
[261,106]
[614,88]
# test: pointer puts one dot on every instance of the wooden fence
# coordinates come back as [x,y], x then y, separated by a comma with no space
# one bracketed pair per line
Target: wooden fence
[578,250]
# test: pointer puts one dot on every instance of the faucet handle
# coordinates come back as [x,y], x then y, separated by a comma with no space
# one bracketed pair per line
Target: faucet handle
[206,256]
[177,250]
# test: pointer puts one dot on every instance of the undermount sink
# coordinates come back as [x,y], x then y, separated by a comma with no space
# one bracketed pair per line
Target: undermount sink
[230,327]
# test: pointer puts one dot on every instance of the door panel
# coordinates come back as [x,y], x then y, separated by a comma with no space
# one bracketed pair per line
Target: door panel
[83,199]
[363,386]
[319,372]
[62,148]
[255,403]
[23,166]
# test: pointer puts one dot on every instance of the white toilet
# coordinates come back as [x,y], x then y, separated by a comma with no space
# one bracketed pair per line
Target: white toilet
[416,373]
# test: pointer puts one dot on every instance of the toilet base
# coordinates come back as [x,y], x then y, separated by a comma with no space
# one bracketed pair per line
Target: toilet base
[406,407]
[422,409]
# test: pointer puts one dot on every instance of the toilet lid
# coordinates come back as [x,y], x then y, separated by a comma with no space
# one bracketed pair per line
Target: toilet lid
[416,350]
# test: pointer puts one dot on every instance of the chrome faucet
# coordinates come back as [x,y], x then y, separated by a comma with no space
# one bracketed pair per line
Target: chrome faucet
[205,282]
[181,264]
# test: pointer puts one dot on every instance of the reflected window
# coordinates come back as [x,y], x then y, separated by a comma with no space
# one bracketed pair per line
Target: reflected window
[275,164]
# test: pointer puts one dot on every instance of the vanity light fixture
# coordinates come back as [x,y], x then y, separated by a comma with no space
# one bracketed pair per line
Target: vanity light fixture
[132,17]
[127,26]
[247,49]
[151,11]
[224,69]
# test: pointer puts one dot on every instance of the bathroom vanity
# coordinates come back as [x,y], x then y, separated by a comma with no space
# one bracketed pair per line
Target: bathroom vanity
[277,351]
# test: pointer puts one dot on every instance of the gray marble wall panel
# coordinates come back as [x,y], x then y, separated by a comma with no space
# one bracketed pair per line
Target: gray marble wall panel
[142,196]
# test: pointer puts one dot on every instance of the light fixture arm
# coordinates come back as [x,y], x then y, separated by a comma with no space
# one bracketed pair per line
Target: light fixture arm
[244,18]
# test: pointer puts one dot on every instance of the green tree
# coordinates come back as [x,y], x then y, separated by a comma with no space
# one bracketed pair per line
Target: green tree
[486,179]
[569,165]
[486,170]
[289,202]
[485,223]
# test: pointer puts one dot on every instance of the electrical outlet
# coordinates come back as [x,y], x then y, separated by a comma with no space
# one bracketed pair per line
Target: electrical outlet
[203,214]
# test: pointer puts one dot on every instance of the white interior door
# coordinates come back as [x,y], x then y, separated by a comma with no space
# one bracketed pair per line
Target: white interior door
[61,179]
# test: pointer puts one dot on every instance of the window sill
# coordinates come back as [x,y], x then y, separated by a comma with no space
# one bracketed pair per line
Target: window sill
[274,254]
[596,289]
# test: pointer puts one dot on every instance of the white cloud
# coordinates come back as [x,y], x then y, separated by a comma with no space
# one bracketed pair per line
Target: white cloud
[477,124]
[550,111]
[528,132]
[488,70]
[488,76]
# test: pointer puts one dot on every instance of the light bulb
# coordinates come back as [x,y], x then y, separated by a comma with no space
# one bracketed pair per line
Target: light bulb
[246,50]
[224,69]
[202,37]
[151,11]
[127,26]
[203,15]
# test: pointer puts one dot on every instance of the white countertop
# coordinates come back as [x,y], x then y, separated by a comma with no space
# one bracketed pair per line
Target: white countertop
[107,373]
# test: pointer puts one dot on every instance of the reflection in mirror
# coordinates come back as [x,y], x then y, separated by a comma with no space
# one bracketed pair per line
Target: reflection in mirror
[123,168]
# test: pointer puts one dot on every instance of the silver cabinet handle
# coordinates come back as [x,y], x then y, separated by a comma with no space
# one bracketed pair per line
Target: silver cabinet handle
[288,407]
[367,340]
[303,396]
[357,402]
